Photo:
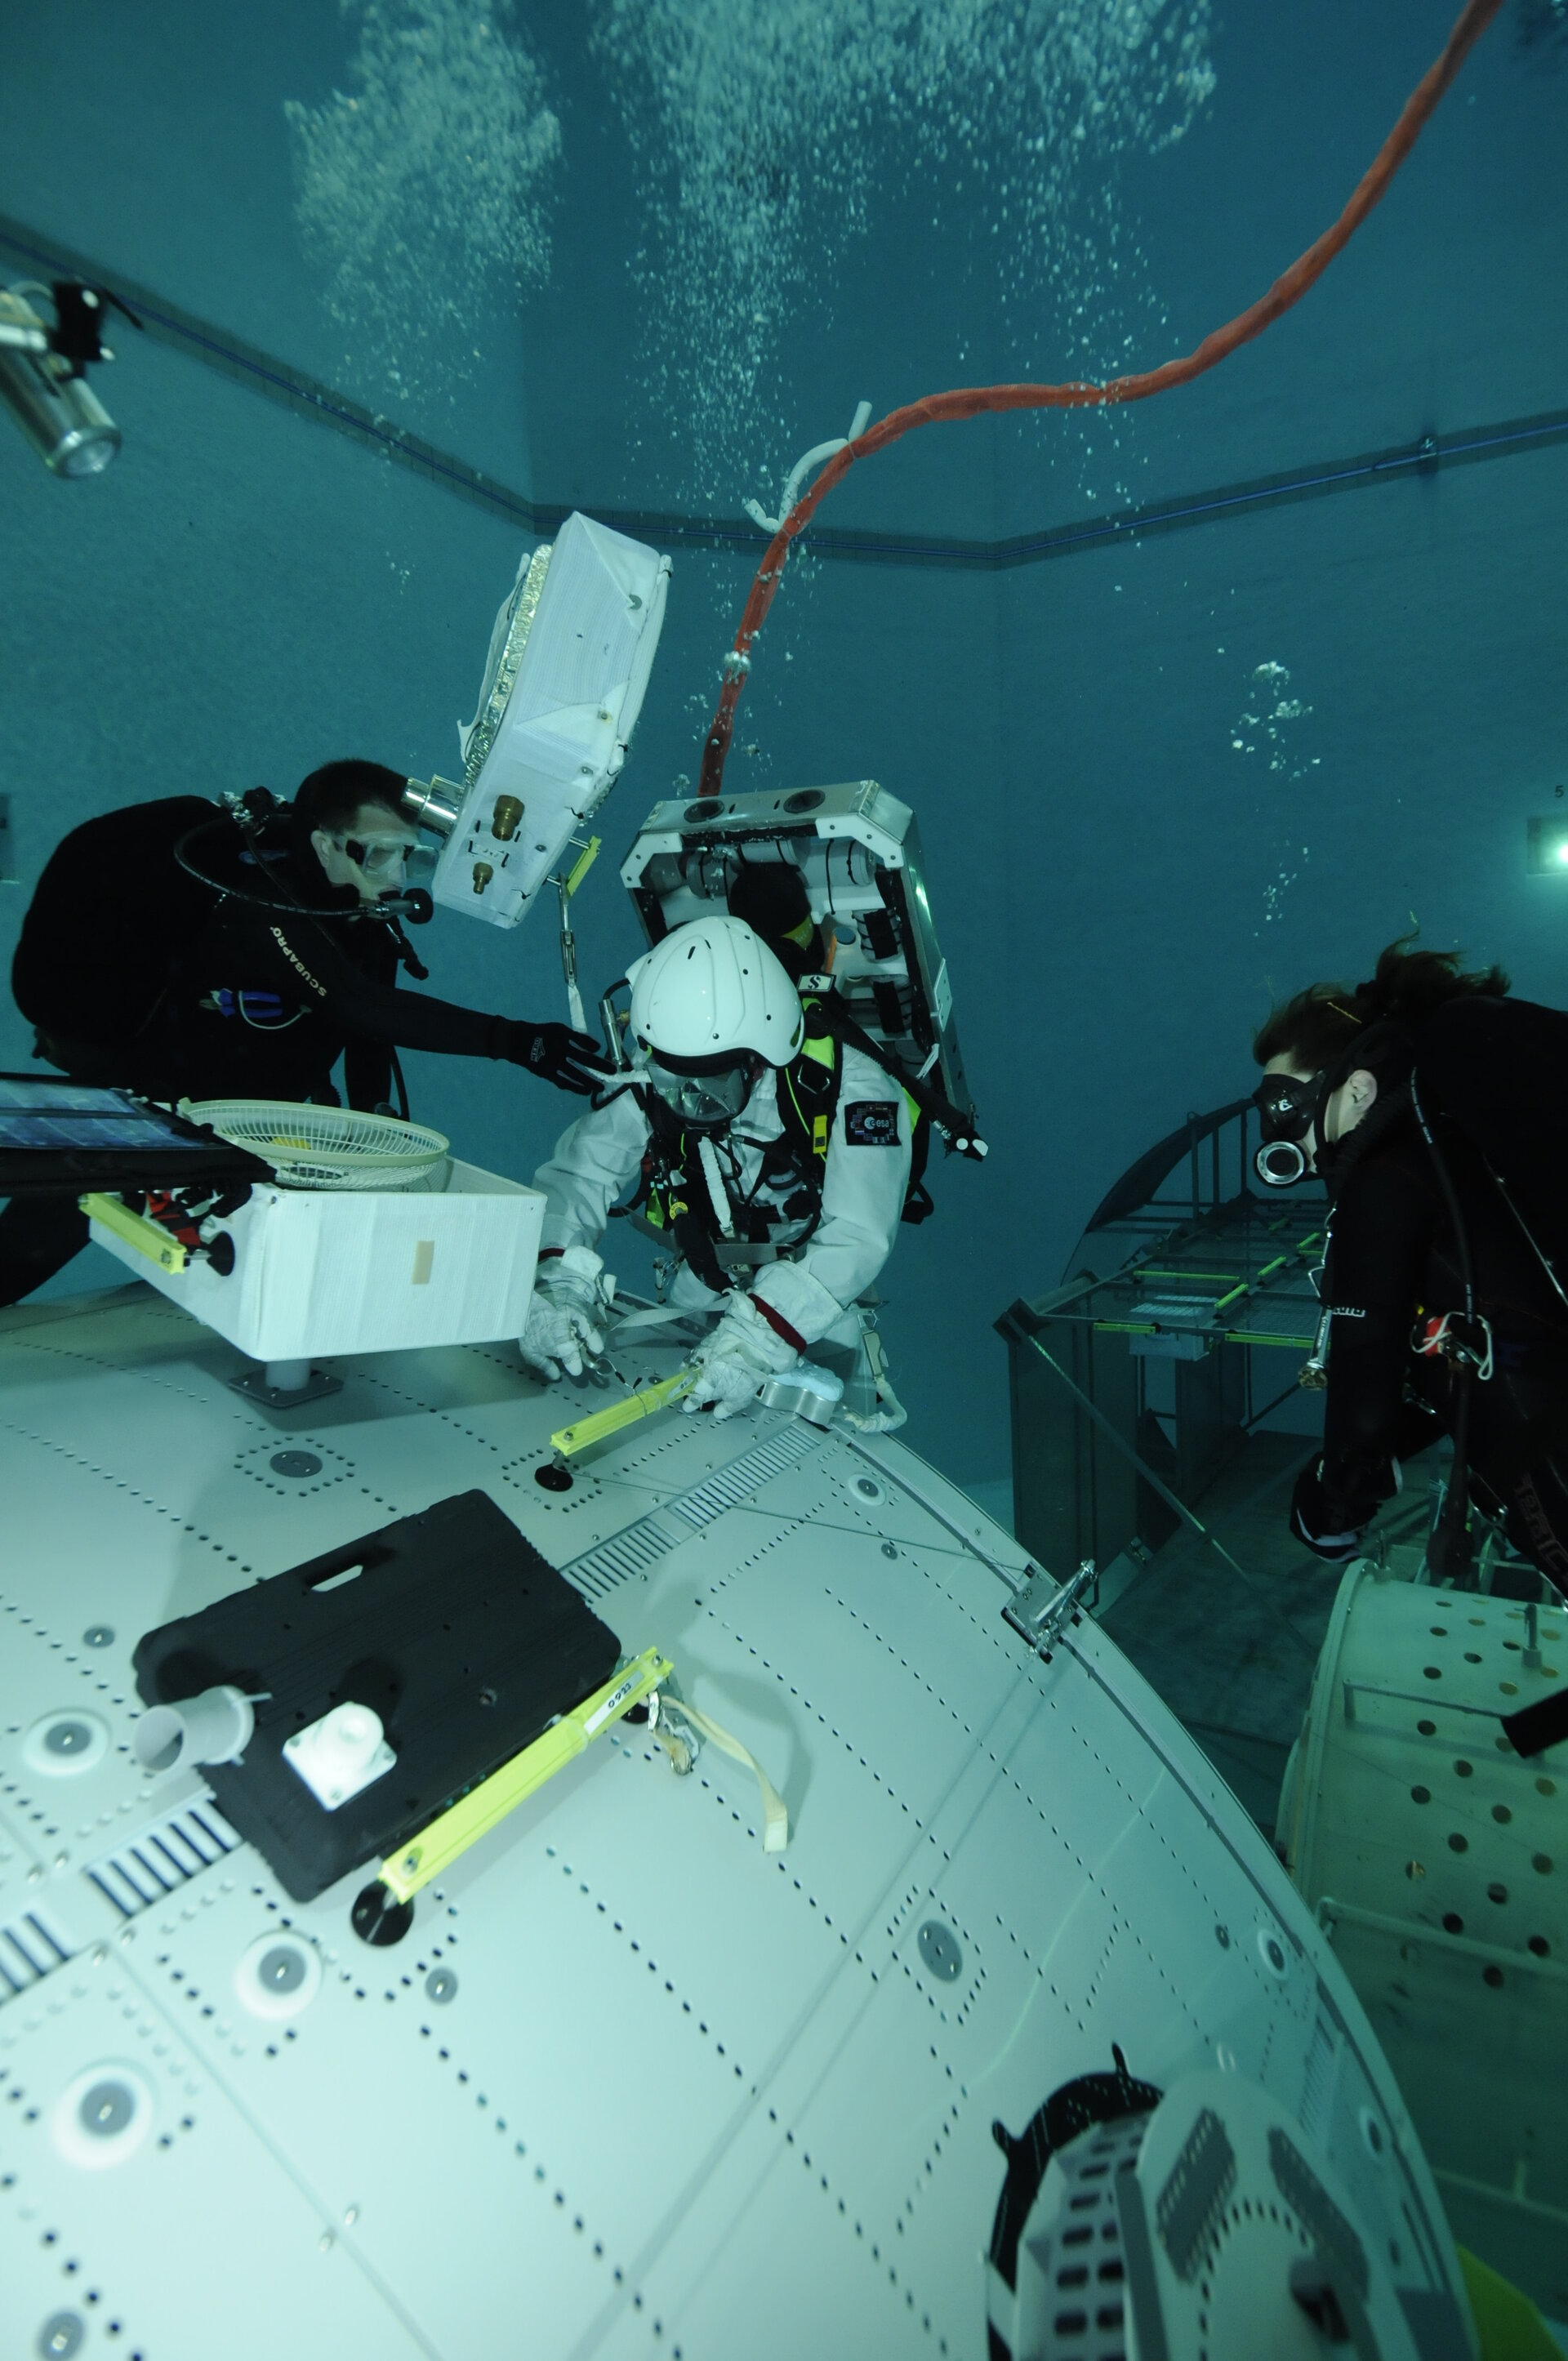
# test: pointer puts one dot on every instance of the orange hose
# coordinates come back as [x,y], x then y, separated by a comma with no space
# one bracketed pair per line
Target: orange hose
[969,402]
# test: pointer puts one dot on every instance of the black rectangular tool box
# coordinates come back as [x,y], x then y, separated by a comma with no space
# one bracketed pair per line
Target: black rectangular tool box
[464,1640]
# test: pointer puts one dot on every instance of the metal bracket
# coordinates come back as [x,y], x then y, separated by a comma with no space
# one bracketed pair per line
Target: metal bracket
[1038,1612]
[257,1386]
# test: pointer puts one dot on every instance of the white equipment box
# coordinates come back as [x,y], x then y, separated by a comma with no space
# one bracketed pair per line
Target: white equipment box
[327,1271]
[569,662]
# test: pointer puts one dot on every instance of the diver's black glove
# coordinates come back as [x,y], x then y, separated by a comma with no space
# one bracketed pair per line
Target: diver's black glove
[1314,1518]
[573,1062]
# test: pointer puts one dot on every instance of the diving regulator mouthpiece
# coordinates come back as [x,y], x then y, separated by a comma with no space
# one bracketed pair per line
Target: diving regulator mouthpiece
[1280,1163]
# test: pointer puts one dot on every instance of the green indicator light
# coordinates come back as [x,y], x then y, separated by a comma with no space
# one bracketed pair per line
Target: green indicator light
[1546,846]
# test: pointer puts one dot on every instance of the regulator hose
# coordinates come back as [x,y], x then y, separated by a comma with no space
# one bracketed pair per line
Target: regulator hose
[971,401]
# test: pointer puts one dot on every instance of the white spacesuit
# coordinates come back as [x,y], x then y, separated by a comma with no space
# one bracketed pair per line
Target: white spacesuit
[744,1127]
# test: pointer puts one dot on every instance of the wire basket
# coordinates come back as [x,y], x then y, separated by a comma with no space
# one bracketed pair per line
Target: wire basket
[324,1147]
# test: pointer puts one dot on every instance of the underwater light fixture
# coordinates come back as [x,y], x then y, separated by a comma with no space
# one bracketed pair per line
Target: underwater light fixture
[43,379]
[1546,846]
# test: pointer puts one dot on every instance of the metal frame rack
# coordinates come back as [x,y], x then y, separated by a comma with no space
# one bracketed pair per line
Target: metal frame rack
[1131,1393]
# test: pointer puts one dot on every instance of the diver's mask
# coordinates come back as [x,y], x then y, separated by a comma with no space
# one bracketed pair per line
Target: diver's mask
[386,863]
[707,1093]
[1286,1108]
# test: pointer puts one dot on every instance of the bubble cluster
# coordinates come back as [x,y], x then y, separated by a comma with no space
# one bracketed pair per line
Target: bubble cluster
[1274,894]
[769,135]
[1266,731]
[1542,27]
[422,190]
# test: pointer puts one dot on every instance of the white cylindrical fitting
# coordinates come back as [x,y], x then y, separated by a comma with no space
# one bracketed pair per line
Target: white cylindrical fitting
[213,1728]
[342,1745]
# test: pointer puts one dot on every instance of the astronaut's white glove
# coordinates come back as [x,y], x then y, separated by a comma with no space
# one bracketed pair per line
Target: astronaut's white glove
[735,1359]
[570,1300]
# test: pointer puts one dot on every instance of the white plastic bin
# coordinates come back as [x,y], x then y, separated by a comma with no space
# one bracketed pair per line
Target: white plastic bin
[319,1272]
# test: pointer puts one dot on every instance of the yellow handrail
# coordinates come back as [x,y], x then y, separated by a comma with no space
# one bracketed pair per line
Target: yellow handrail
[435,1847]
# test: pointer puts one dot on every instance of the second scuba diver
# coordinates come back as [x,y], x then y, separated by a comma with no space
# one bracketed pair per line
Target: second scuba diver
[182,950]
[1433,1107]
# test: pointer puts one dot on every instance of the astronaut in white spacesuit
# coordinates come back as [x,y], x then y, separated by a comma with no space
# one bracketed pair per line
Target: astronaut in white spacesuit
[746,1126]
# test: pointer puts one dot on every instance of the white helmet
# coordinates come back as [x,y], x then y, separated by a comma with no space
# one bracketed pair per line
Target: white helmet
[706,1003]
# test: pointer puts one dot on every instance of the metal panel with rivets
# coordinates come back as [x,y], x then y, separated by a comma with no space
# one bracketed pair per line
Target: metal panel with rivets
[628,2084]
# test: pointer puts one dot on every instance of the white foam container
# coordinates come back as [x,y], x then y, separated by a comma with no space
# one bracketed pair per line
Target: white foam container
[324,1271]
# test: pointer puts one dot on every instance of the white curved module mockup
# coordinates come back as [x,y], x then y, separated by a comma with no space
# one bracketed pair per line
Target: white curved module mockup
[630,2085]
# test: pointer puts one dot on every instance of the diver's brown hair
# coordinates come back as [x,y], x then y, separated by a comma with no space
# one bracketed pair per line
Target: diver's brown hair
[1318,1025]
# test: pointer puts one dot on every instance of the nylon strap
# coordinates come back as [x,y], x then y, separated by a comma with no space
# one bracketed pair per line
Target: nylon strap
[775,1815]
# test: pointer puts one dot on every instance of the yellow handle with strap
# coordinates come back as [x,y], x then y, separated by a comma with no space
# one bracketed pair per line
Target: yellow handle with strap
[435,1847]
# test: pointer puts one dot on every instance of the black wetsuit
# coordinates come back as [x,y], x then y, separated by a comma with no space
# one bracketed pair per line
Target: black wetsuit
[134,972]
[179,990]
[1393,1261]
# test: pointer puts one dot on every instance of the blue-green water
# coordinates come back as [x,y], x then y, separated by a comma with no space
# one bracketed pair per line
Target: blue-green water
[639,256]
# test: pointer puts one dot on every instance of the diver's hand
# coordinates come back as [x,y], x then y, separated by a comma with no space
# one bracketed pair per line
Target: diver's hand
[573,1062]
[731,1363]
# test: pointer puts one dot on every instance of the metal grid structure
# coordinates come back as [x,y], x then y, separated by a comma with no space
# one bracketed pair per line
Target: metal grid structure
[1131,1393]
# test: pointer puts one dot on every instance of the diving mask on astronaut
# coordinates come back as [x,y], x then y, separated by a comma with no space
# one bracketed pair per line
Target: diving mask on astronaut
[705,1093]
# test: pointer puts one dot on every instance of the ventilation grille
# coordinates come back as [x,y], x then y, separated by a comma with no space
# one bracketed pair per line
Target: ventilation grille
[631,1552]
[160,1860]
[1317,2087]
[618,1560]
[746,1475]
[30,1949]
[1192,2203]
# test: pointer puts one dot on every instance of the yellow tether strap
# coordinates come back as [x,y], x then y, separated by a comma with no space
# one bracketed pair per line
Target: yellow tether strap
[435,1847]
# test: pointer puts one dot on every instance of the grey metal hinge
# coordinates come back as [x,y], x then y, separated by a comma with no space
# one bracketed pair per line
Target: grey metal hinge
[1038,1612]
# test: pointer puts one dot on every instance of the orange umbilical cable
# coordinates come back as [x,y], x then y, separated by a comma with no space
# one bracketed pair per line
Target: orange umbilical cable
[970,402]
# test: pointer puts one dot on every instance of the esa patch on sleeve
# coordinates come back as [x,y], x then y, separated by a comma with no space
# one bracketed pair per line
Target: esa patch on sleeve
[871,1123]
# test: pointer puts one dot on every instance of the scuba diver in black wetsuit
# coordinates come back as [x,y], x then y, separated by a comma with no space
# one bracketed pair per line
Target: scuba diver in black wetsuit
[1434,1109]
[185,950]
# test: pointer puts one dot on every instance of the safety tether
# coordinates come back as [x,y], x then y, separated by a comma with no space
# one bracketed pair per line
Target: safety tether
[775,1815]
